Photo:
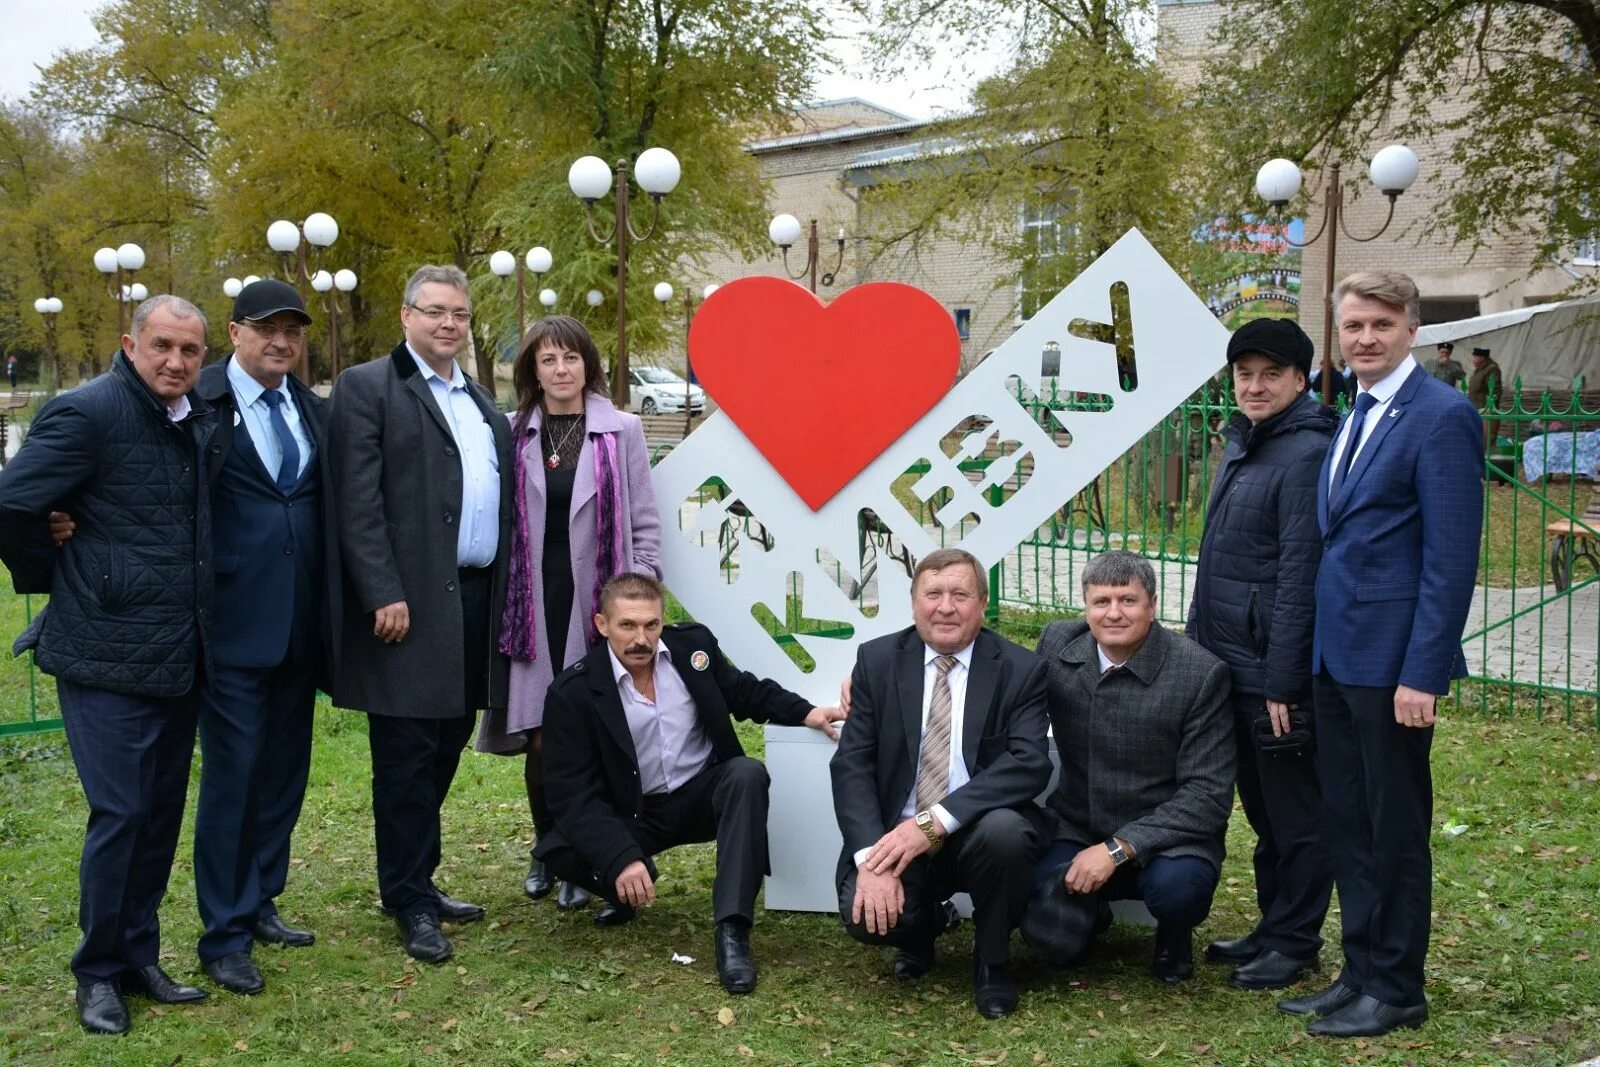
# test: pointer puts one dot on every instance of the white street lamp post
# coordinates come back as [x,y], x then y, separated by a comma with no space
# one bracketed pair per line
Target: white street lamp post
[785,231]
[49,307]
[118,265]
[658,172]
[537,262]
[292,243]
[1392,170]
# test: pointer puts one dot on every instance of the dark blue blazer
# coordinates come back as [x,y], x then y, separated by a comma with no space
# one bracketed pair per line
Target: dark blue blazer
[1397,577]
[275,556]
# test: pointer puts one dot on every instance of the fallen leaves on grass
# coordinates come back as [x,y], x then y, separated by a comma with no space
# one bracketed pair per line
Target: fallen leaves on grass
[725,1016]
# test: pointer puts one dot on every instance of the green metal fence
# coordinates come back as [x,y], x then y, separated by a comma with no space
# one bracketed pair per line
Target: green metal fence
[1534,632]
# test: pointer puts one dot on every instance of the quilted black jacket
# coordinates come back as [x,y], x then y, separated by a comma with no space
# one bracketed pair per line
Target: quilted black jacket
[130,592]
[1255,587]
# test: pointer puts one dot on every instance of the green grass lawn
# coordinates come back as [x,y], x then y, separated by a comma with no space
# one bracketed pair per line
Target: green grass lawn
[1510,975]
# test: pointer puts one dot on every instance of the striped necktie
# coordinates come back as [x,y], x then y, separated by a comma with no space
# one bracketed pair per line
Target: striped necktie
[933,773]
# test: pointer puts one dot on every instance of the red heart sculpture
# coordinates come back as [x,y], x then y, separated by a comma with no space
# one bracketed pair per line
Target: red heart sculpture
[822,389]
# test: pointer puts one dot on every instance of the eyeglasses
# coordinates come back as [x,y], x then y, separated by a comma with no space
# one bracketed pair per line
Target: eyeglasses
[436,314]
[292,332]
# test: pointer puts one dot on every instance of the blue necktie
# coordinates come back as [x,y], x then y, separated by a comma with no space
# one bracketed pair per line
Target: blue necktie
[1352,440]
[289,467]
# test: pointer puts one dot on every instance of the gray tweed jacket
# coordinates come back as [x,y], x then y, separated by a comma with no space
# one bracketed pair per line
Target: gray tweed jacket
[1147,754]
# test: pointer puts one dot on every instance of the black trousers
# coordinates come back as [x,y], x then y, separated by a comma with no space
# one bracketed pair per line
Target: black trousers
[414,761]
[1283,802]
[725,803]
[255,757]
[990,858]
[1378,795]
[132,755]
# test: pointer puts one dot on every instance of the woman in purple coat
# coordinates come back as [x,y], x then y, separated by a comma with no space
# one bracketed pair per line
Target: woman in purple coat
[586,511]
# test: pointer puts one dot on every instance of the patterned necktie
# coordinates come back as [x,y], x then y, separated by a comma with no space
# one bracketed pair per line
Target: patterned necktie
[933,774]
[1352,441]
[289,467]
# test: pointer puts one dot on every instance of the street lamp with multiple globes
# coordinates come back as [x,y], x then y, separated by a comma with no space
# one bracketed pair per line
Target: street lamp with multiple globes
[657,171]
[118,265]
[663,293]
[49,307]
[1392,170]
[292,243]
[538,262]
[785,231]
[330,286]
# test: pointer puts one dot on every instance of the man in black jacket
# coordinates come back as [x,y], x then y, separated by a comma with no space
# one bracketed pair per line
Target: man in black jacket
[1254,608]
[640,756]
[935,780]
[125,632]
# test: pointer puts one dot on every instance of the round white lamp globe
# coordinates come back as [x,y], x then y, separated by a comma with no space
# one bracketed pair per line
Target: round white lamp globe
[130,256]
[547,297]
[705,294]
[784,230]
[41,305]
[231,287]
[538,259]
[105,260]
[594,298]
[283,236]
[503,263]
[589,178]
[658,171]
[322,281]
[138,292]
[663,291]
[320,229]
[55,305]
[1277,181]
[344,280]
[250,279]
[1393,169]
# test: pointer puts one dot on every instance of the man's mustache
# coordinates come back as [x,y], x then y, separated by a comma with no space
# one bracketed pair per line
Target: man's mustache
[639,648]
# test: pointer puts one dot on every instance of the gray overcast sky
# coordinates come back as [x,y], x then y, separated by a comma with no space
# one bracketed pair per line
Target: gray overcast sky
[37,29]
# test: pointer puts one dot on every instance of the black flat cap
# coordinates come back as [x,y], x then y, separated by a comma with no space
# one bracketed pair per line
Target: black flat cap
[1480,352]
[1280,340]
[1057,924]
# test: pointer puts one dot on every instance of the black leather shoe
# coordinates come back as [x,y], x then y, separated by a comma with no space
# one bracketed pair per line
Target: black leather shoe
[237,973]
[423,939]
[1174,958]
[914,961]
[538,884]
[101,1010]
[1326,1002]
[272,930]
[734,965]
[452,910]
[1239,950]
[1367,1017]
[614,914]
[1272,970]
[156,984]
[993,991]
[572,897]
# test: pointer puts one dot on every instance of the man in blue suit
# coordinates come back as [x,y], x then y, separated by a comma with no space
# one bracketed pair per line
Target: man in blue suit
[275,607]
[1400,486]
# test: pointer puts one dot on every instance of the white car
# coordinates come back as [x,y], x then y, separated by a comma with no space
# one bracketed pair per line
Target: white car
[656,390]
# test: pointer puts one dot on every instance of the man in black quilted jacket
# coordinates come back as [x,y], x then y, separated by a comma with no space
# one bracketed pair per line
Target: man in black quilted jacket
[124,632]
[1254,608]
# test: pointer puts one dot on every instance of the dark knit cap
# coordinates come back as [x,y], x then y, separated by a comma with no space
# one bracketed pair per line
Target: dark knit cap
[1280,340]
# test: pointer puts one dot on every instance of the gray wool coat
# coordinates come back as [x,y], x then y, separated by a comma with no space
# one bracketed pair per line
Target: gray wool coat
[1148,753]
[397,492]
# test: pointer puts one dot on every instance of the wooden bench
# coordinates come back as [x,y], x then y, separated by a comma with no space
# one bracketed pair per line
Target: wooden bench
[1575,541]
[16,400]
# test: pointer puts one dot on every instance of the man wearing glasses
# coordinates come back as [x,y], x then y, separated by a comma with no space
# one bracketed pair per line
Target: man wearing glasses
[277,596]
[422,479]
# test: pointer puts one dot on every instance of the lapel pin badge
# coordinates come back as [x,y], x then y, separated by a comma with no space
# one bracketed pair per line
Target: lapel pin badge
[699,661]
[1394,413]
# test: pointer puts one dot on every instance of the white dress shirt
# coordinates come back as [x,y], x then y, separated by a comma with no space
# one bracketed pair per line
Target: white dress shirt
[959,775]
[1382,392]
[668,740]
[1106,662]
[478,531]
[256,415]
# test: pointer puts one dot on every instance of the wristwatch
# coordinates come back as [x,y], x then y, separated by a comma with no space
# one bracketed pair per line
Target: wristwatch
[924,820]
[1119,856]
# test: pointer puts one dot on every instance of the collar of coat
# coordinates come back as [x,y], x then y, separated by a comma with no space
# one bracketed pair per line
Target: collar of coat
[1144,665]
[405,364]
[599,416]
[122,366]
[214,386]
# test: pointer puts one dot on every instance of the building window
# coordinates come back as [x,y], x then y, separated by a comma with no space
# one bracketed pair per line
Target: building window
[1448,308]
[964,323]
[1047,260]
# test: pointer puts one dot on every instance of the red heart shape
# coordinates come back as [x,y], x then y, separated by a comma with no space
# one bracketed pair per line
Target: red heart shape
[822,389]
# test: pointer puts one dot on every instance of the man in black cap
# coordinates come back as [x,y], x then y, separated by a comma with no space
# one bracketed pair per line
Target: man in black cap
[276,603]
[1446,369]
[1483,389]
[1254,608]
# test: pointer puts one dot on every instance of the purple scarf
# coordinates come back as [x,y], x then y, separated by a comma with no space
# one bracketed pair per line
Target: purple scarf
[517,625]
